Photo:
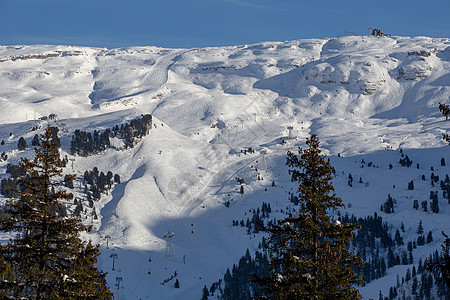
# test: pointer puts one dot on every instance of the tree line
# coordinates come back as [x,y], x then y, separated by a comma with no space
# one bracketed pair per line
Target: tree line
[86,143]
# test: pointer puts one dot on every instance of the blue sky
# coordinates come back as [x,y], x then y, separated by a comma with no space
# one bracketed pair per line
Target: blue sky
[199,23]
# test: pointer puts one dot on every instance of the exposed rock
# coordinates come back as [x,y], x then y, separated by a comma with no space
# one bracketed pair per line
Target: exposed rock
[423,53]
[414,72]
[371,87]
[327,82]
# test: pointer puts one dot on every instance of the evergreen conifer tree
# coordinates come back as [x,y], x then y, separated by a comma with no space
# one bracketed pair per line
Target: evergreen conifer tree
[408,275]
[308,252]
[398,239]
[414,286]
[429,237]
[434,207]
[205,293]
[419,228]
[441,266]
[36,140]
[47,259]
[22,144]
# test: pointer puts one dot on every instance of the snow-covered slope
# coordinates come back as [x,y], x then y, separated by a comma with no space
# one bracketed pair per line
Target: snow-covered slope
[365,97]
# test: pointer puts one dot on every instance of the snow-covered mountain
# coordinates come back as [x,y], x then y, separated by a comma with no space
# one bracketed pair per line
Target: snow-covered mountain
[365,97]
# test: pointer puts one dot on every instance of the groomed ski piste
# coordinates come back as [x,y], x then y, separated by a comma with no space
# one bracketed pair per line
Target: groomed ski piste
[367,98]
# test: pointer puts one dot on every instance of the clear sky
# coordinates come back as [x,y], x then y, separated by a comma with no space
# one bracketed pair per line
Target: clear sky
[199,23]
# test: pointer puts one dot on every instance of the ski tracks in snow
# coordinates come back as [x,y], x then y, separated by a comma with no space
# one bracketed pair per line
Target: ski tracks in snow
[159,76]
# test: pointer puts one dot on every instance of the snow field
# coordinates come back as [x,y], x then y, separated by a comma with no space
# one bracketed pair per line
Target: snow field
[364,97]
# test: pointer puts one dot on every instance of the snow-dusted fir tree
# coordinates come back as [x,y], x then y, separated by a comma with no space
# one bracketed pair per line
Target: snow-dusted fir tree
[441,267]
[46,259]
[308,251]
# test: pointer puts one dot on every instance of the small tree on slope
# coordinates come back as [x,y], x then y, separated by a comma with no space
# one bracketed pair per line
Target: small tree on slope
[308,252]
[445,109]
[47,259]
[441,267]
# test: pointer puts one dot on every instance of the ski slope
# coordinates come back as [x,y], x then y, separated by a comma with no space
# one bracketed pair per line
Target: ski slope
[365,97]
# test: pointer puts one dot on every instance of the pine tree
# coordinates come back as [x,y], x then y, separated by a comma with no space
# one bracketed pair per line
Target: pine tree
[414,286]
[391,258]
[441,267]
[434,207]
[22,144]
[382,268]
[308,252]
[205,293]
[420,240]
[419,228]
[429,237]
[35,141]
[116,178]
[47,259]
[398,239]
[408,275]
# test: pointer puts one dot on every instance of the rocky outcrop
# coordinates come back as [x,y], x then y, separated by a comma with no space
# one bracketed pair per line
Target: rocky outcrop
[414,72]
[56,53]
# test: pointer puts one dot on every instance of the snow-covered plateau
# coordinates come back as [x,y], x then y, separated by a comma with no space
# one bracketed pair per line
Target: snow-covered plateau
[369,99]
